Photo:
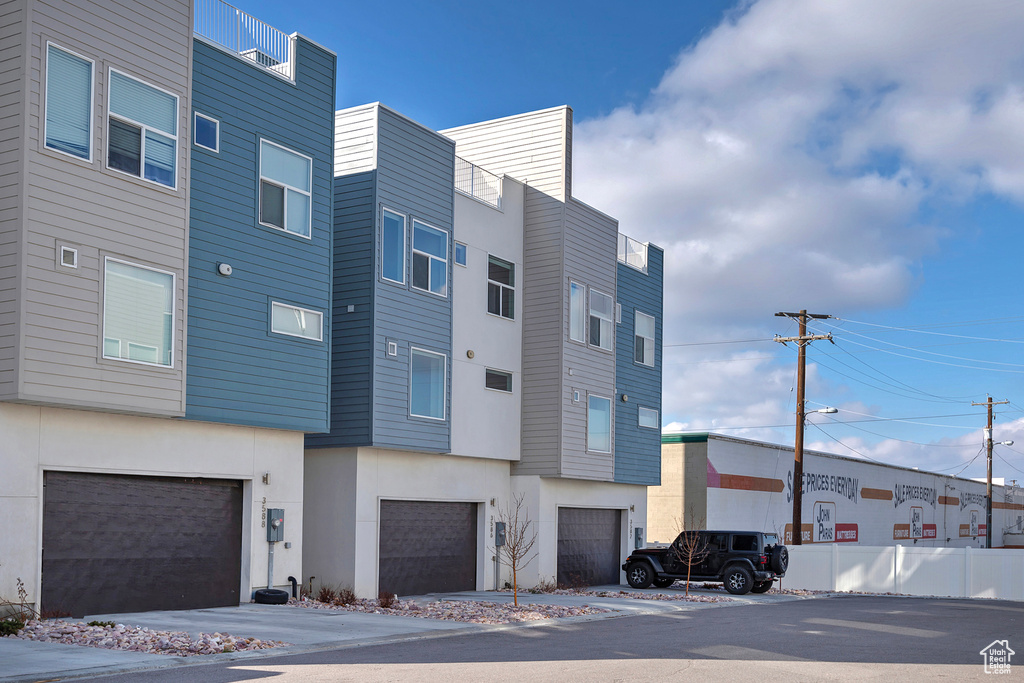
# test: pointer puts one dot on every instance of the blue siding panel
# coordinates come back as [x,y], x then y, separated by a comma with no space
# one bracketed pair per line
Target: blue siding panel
[237,370]
[638,449]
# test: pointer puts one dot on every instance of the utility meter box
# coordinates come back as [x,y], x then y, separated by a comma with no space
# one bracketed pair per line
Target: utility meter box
[499,534]
[275,525]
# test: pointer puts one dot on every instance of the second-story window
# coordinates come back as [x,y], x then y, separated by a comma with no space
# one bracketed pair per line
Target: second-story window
[142,135]
[138,313]
[501,287]
[286,195]
[429,258]
[68,103]
[577,312]
[602,312]
[643,340]
[392,247]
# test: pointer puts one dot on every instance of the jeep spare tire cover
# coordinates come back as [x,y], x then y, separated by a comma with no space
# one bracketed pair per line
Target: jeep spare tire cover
[779,559]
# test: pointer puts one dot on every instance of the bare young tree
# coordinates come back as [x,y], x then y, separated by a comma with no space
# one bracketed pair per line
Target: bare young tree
[690,547]
[517,552]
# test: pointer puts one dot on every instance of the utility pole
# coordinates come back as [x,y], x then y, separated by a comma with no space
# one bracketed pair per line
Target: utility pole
[798,446]
[988,488]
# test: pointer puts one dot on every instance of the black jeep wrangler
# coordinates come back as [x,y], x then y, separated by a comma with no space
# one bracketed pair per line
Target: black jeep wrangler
[745,561]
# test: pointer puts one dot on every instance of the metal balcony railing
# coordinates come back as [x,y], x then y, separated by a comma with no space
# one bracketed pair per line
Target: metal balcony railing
[478,183]
[633,253]
[235,31]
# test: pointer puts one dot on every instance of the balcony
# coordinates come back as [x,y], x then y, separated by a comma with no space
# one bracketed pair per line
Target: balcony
[477,183]
[231,29]
[633,253]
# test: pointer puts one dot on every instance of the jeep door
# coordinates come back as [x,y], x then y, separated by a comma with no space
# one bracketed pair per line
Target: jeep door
[714,557]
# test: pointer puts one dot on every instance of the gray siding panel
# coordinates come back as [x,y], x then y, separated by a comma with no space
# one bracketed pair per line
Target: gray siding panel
[12,155]
[102,212]
[534,147]
[637,449]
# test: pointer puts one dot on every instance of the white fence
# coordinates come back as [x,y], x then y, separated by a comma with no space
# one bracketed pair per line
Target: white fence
[951,572]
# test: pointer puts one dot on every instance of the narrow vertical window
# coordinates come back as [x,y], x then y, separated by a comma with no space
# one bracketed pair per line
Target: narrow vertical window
[69,88]
[501,291]
[577,312]
[429,258]
[138,313]
[460,254]
[286,195]
[643,340]
[206,132]
[392,242]
[602,310]
[142,136]
[427,384]
[599,424]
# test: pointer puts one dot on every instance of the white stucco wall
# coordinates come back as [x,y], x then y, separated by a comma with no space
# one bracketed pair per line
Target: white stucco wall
[486,422]
[544,495]
[37,439]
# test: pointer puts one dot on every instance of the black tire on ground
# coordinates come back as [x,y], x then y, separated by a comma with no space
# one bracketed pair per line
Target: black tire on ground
[663,583]
[738,580]
[761,587]
[779,559]
[639,575]
[271,596]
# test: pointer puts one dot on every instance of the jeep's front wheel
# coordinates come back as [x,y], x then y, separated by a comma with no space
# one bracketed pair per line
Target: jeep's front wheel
[639,575]
[738,580]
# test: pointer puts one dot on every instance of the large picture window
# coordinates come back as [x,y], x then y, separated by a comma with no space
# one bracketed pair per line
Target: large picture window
[142,135]
[69,88]
[138,313]
[643,340]
[286,194]
[392,247]
[599,424]
[429,258]
[577,312]
[427,385]
[602,312]
[296,322]
[501,287]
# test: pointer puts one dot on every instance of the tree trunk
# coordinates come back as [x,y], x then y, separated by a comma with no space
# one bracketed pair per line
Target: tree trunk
[515,587]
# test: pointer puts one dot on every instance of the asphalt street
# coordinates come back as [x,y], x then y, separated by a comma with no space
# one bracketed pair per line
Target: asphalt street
[835,638]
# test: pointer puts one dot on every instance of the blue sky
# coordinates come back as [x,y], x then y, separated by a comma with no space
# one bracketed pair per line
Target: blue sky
[860,158]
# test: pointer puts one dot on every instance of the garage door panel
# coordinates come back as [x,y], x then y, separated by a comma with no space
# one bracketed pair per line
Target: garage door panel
[116,543]
[427,547]
[589,546]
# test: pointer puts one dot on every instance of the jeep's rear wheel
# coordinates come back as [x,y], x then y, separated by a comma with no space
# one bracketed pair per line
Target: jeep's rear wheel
[639,575]
[779,559]
[738,580]
[761,587]
[663,583]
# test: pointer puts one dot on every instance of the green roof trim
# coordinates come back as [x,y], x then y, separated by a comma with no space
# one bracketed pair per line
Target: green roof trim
[691,437]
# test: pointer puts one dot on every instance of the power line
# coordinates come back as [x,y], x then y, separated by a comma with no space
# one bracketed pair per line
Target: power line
[942,334]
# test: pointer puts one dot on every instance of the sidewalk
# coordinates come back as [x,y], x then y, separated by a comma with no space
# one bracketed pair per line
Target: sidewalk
[307,630]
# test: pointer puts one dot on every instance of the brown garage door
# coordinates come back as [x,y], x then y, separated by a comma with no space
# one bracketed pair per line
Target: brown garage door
[588,546]
[115,543]
[427,547]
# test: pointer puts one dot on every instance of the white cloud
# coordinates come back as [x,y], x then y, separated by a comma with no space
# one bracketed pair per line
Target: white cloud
[783,161]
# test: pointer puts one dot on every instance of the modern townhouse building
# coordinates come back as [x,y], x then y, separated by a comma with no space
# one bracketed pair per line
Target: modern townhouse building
[475,359]
[165,261]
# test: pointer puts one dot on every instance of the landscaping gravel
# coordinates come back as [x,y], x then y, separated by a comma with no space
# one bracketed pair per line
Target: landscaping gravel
[470,611]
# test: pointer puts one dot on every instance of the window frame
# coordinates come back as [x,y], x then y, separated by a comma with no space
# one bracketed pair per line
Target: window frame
[278,183]
[501,289]
[413,350]
[197,115]
[142,132]
[320,332]
[92,102]
[405,243]
[640,422]
[505,373]
[430,259]
[174,315]
[590,316]
[465,254]
[636,335]
[611,422]
[582,311]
